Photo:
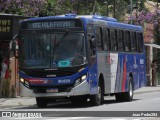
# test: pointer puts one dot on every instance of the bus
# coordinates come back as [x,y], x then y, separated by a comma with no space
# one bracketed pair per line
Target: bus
[80,57]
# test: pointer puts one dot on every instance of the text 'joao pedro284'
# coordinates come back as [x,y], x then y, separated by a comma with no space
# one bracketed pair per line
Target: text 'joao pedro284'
[82,58]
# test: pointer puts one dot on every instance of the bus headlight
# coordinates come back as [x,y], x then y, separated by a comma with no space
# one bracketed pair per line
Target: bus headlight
[83,78]
[80,80]
[22,80]
[26,83]
[77,82]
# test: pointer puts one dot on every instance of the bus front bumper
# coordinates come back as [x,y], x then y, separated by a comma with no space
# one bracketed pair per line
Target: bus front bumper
[81,89]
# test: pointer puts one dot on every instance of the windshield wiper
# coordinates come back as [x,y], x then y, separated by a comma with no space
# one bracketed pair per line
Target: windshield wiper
[65,34]
[58,43]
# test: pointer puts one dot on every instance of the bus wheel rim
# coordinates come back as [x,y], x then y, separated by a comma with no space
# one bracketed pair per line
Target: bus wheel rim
[130,90]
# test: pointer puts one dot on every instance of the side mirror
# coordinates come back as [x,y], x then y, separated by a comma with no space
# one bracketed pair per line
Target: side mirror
[92,41]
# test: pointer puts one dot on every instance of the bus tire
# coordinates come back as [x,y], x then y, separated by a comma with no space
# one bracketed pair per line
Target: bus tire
[126,96]
[41,102]
[129,94]
[97,98]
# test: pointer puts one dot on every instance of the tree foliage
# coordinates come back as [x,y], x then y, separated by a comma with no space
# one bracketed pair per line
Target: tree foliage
[22,7]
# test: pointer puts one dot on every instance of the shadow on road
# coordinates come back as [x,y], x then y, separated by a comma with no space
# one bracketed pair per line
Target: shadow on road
[68,105]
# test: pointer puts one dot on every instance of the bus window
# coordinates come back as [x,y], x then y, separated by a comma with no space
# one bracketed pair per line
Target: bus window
[90,29]
[120,40]
[106,39]
[133,41]
[116,41]
[140,42]
[113,40]
[127,41]
[99,39]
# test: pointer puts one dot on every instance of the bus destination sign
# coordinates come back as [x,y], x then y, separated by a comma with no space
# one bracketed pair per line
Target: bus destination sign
[50,24]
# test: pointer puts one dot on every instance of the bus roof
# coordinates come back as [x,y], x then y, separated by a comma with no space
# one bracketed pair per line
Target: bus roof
[124,26]
[66,16]
[108,21]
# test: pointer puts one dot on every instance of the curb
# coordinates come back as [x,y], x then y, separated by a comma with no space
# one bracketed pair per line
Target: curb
[146,91]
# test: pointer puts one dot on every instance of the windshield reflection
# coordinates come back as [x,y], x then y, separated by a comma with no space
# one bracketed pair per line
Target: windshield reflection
[52,50]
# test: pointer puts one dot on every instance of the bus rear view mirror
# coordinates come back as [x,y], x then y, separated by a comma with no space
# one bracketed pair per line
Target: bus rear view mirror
[92,41]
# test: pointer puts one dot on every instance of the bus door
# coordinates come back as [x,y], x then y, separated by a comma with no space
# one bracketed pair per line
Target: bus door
[92,74]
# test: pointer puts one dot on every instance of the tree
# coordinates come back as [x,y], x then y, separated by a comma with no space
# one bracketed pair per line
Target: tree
[22,7]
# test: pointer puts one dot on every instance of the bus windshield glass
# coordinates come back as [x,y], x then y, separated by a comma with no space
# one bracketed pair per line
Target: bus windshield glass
[47,50]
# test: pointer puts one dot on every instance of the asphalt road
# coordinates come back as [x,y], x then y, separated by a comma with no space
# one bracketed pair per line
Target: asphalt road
[142,103]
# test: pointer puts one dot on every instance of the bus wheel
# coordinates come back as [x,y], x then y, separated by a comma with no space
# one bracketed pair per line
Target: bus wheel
[41,102]
[126,96]
[129,95]
[96,99]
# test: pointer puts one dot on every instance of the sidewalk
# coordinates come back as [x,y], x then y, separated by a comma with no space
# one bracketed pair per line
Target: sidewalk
[15,102]
[30,101]
[147,89]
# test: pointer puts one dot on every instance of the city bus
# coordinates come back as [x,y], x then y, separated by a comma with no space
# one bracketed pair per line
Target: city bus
[80,57]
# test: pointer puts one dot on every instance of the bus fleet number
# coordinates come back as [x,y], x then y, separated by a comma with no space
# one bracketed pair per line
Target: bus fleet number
[64,81]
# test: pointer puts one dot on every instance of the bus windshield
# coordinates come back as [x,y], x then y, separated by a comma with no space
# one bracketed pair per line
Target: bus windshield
[47,50]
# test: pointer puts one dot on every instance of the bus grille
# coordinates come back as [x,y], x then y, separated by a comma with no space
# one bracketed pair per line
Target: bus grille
[42,89]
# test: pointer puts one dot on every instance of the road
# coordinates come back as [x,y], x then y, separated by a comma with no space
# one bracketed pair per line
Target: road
[141,102]
[144,103]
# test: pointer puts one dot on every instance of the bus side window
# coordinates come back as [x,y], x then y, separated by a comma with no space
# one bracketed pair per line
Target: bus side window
[140,42]
[116,41]
[90,31]
[120,40]
[133,42]
[113,39]
[106,39]
[99,40]
[127,41]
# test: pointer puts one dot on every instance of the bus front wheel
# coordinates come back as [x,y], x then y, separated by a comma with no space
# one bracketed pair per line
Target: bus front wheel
[41,102]
[97,98]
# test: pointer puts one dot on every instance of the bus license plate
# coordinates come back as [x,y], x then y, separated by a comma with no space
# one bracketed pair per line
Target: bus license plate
[52,90]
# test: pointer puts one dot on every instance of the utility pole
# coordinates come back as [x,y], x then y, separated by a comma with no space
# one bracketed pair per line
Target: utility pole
[106,3]
[94,7]
[114,9]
